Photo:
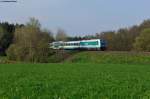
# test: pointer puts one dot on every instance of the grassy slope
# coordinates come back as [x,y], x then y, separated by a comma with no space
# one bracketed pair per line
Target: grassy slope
[74,81]
[111,57]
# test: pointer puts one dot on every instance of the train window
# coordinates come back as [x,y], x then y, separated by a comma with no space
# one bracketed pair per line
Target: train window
[71,44]
[61,44]
[89,43]
[77,44]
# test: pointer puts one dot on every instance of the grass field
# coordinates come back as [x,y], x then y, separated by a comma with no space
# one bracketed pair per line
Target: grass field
[110,57]
[84,75]
[74,81]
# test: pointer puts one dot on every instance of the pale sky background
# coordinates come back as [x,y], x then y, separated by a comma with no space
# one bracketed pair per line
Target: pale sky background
[78,17]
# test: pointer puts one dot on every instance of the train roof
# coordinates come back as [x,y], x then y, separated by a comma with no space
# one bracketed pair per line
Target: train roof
[92,40]
[76,41]
[72,42]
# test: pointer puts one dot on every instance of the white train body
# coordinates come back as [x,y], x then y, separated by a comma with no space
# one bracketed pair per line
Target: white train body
[94,44]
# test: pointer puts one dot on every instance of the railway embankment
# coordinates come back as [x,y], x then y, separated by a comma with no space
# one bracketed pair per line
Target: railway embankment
[110,57]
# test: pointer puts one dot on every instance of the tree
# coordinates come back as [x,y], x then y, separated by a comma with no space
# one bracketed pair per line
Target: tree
[6,36]
[51,36]
[34,23]
[61,35]
[109,37]
[1,32]
[122,40]
[145,24]
[143,41]
[31,44]
[1,37]
[76,38]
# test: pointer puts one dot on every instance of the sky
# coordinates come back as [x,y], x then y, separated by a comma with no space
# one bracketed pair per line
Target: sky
[78,17]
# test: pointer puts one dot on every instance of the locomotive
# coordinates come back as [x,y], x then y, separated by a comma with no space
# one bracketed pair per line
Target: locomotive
[93,44]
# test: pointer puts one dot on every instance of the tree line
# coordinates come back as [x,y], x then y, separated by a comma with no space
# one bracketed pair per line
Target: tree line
[134,38]
[30,43]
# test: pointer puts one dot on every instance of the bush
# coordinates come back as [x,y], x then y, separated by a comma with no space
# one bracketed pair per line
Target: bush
[142,42]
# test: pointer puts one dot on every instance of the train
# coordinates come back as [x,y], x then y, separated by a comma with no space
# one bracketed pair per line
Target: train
[93,44]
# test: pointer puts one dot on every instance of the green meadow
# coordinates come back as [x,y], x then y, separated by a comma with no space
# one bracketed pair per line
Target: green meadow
[119,76]
[74,81]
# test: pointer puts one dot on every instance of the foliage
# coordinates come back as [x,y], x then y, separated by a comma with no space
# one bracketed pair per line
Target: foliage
[6,36]
[109,37]
[74,81]
[5,60]
[76,38]
[124,38]
[30,44]
[143,41]
[61,35]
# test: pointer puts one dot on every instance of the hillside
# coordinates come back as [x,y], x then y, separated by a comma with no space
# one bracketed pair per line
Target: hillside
[110,57]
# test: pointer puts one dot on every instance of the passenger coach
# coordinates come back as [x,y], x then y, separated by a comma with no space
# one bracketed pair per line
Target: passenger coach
[94,44]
